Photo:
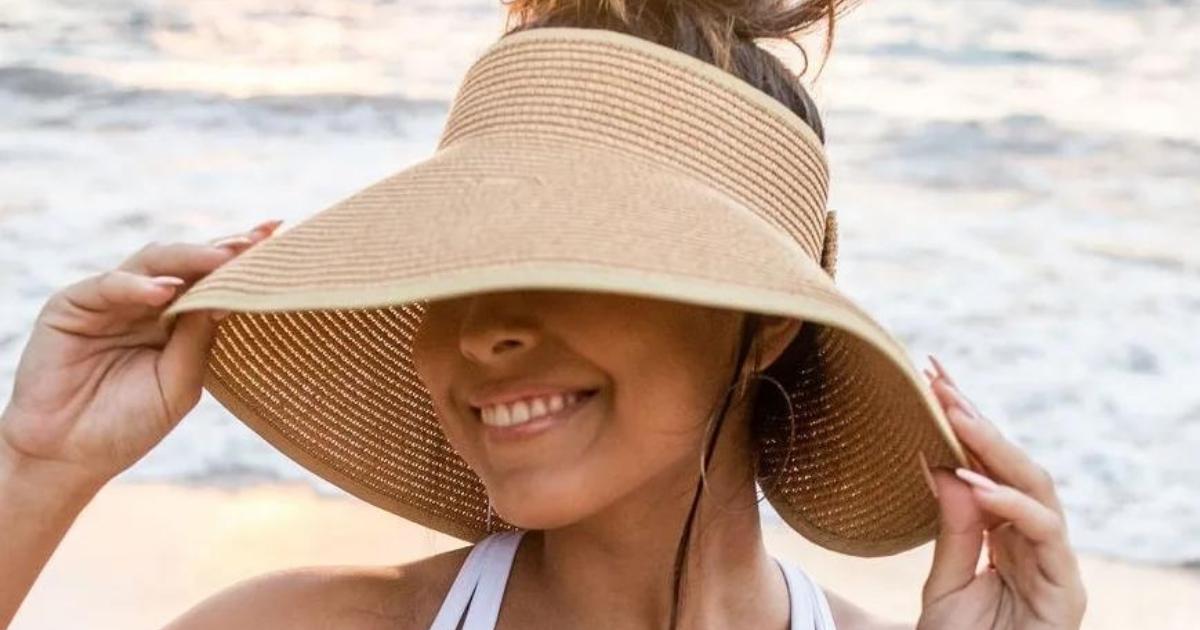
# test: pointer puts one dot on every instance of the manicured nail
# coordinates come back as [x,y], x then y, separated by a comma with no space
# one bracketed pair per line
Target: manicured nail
[167,281]
[927,474]
[233,240]
[268,226]
[218,315]
[976,479]
[941,370]
[929,374]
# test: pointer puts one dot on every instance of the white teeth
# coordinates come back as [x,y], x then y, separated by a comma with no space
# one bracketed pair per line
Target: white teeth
[520,412]
[504,415]
[500,415]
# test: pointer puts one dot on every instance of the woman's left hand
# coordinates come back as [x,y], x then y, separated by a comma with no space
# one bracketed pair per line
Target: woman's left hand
[1032,580]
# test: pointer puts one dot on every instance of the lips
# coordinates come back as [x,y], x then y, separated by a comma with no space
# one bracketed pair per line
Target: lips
[519,430]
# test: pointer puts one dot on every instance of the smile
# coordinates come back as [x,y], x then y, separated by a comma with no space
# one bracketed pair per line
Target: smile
[526,418]
[530,409]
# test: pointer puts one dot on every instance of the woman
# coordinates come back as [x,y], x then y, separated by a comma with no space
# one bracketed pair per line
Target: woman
[597,472]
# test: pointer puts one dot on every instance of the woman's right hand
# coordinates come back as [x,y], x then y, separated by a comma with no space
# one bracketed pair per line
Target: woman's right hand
[101,382]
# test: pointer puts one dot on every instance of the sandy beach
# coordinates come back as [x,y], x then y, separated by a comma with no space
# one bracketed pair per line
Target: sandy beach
[140,554]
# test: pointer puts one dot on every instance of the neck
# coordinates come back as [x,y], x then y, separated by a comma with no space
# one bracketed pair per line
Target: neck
[615,568]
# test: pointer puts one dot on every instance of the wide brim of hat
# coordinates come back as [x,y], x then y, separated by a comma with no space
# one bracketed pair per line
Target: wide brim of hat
[315,356]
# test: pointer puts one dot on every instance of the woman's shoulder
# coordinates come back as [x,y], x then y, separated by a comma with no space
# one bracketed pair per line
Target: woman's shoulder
[394,597]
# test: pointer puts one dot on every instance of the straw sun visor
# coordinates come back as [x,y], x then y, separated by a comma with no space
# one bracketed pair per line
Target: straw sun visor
[315,356]
[686,184]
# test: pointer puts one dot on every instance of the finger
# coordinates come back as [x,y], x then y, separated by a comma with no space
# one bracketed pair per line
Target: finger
[107,303]
[192,260]
[1014,557]
[947,402]
[941,370]
[1042,526]
[253,235]
[1002,458]
[951,396]
[114,293]
[181,364]
[235,241]
[267,227]
[184,260]
[950,405]
[959,541]
[997,456]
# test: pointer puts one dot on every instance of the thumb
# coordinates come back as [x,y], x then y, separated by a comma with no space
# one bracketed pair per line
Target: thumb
[181,366]
[959,540]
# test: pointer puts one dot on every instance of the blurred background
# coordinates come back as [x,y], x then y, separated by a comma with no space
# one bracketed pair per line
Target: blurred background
[1017,182]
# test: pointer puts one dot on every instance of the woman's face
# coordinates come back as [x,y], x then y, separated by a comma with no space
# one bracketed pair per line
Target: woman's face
[649,373]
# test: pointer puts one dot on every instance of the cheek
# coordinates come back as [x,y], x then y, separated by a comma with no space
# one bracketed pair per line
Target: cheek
[429,361]
[434,354]
[664,396]
[665,401]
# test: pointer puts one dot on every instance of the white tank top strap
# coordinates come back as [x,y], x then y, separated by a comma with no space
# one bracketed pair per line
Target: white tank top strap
[810,607]
[484,609]
[479,587]
[478,590]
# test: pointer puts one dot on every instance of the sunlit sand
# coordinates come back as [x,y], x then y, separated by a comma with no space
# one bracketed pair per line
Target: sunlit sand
[143,553]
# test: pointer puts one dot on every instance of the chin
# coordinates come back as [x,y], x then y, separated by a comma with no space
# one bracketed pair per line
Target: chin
[541,508]
[525,519]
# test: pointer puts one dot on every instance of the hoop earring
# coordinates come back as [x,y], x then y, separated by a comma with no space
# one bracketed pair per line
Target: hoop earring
[791,426]
[740,388]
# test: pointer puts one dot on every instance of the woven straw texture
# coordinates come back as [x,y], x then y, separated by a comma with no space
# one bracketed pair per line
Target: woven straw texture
[585,160]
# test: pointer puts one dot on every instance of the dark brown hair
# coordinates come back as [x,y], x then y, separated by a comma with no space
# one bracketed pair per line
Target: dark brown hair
[720,32]
[723,33]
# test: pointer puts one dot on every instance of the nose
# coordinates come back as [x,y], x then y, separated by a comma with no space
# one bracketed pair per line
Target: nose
[496,328]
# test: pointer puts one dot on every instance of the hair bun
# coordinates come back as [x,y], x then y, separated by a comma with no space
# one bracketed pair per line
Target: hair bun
[720,24]
[720,32]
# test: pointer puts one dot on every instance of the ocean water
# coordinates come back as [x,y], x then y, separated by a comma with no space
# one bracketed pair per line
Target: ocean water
[1018,186]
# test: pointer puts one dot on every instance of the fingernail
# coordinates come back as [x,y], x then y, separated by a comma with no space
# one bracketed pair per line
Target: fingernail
[268,226]
[927,474]
[218,315]
[929,375]
[941,369]
[233,240]
[976,479]
[167,281]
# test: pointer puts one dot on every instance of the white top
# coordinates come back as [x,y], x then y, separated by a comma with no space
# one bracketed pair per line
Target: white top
[479,587]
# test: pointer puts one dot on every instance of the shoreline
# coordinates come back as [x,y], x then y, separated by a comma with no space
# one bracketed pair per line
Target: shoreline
[142,553]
